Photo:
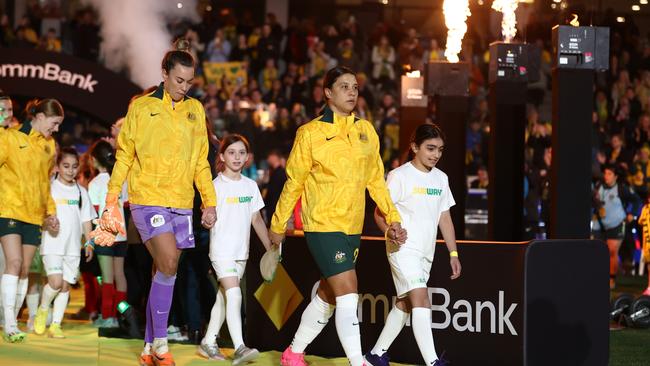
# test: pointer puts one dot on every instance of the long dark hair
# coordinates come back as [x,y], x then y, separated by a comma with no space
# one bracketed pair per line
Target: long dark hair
[103,152]
[427,131]
[227,141]
[424,132]
[59,158]
[66,151]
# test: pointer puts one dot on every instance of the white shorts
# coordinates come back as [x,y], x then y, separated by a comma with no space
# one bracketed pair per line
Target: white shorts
[410,270]
[229,268]
[62,264]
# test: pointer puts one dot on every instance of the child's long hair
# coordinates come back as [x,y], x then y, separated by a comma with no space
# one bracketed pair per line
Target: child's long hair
[227,141]
[59,158]
[424,132]
[103,152]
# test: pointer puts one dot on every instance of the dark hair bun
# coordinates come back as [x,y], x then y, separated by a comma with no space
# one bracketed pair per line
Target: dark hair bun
[182,44]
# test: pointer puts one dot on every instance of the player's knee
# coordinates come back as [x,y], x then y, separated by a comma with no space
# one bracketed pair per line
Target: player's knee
[168,267]
[55,284]
[24,270]
[14,266]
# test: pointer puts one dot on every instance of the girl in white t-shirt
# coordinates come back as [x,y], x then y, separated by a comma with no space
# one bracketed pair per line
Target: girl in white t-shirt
[110,258]
[238,206]
[61,252]
[422,196]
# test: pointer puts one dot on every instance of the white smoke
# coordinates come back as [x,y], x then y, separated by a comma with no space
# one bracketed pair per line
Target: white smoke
[135,34]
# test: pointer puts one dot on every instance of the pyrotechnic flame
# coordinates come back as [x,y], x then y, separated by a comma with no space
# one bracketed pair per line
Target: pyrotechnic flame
[456,13]
[509,22]
[413,74]
[574,22]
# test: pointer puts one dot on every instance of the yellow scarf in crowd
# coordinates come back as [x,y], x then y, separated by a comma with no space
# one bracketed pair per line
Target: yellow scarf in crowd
[644,221]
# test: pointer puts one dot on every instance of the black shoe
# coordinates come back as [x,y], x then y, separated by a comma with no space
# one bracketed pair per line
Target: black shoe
[194,336]
[441,361]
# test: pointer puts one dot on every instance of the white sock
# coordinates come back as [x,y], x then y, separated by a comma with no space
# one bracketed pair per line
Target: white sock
[21,292]
[312,322]
[421,324]
[347,327]
[32,304]
[48,295]
[160,346]
[394,324]
[60,303]
[217,316]
[233,315]
[9,284]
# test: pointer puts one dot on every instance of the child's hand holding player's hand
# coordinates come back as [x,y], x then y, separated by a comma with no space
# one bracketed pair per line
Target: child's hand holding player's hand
[52,225]
[88,250]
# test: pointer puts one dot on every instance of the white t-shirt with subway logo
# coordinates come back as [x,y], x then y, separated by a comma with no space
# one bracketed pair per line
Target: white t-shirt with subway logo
[68,240]
[237,201]
[420,199]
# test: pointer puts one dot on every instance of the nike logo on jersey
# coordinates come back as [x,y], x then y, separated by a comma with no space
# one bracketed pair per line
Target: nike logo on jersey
[320,322]
[22,147]
[161,312]
[329,138]
[154,114]
[355,324]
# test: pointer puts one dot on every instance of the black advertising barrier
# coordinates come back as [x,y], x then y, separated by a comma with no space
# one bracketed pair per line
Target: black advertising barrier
[478,318]
[75,82]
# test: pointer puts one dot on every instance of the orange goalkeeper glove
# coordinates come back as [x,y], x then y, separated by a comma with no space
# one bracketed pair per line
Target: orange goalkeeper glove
[112,220]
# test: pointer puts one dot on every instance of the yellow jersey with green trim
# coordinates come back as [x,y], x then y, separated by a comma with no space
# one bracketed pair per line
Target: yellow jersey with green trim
[333,161]
[162,149]
[26,162]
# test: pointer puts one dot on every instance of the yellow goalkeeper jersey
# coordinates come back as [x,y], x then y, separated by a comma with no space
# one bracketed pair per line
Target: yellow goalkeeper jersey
[163,149]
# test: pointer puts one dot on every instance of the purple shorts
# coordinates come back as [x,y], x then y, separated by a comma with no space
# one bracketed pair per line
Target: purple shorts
[155,220]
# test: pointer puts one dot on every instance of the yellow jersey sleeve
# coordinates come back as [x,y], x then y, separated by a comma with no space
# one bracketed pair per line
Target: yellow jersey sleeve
[202,174]
[4,146]
[125,153]
[377,185]
[298,168]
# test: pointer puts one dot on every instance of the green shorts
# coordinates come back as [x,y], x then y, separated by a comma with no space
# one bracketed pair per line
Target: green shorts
[30,233]
[334,252]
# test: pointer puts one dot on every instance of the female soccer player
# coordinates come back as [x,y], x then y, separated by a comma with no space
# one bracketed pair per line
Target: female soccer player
[162,148]
[334,159]
[26,160]
[422,196]
[239,202]
[61,252]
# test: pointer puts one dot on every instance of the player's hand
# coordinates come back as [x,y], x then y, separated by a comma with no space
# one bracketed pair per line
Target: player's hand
[209,217]
[396,233]
[52,225]
[112,220]
[455,267]
[102,237]
[275,238]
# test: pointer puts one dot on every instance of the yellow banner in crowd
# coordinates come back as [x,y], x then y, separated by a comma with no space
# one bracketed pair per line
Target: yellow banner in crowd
[234,72]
